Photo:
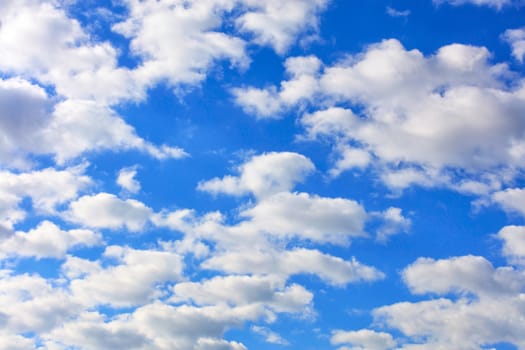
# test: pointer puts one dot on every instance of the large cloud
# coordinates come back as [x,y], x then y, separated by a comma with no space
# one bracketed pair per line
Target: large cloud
[424,115]
[105,210]
[472,305]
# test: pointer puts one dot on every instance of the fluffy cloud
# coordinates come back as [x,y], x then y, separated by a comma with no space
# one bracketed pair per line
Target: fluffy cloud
[81,126]
[269,335]
[47,188]
[511,200]
[478,305]
[58,53]
[31,303]
[329,268]
[513,238]
[320,219]
[47,240]
[156,326]
[278,24]
[175,42]
[363,339]
[393,223]
[270,103]
[126,179]
[516,39]
[466,274]
[427,115]
[105,210]
[179,40]
[24,108]
[235,290]
[263,175]
[131,280]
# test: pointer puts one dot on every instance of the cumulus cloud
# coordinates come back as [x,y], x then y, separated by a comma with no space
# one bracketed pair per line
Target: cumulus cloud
[126,179]
[156,326]
[131,280]
[105,210]
[269,335]
[393,223]
[277,24]
[331,269]
[268,292]
[513,238]
[31,303]
[47,240]
[511,200]
[48,188]
[24,108]
[424,114]
[84,75]
[307,217]
[270,103]
[472,305]
[363,339]
[516,39]
[263,175]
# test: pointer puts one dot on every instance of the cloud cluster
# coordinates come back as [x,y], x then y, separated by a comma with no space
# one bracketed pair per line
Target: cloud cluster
[184,279]
[471,304]
[69,83]
[420,119]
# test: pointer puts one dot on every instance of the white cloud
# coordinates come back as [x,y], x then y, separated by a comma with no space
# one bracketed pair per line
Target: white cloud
[511,200]
[47,188]
[105,210]
[278,24]
[516,39]
[80,126]
[269,335]
[465,274]
[91,332]
[513,238]
[393,223]
[268,292]
[188,43]
[363,339]
[132,281]
[47,240]
[270,103]
[16,342]
[58,53]
[156,326]
[218,344]
[24,108]
[331,269]
[430,114]
[126,179]
[350,158]
[30,303]
[483,305]
[307,217]
[263,175]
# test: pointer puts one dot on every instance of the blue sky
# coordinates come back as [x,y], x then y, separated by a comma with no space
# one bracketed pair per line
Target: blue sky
[249,174]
